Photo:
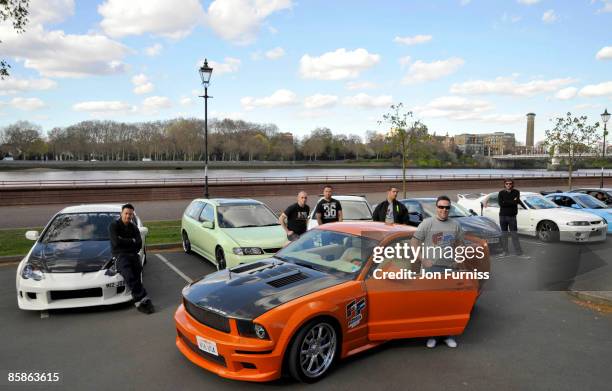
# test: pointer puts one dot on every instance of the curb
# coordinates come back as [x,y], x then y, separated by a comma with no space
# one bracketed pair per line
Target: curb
[153,247]
[595,297]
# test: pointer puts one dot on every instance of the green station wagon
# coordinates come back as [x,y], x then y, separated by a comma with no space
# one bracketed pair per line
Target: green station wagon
[230,231]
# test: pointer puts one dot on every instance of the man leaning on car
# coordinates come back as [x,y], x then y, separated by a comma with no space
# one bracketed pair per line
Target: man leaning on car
[391,210]
[125,245]
[509,199]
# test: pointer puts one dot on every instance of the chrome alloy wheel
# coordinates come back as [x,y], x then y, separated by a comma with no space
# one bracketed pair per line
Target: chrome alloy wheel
[318,349]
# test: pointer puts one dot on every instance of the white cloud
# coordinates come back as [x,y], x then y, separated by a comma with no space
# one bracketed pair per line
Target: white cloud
[159,17]
[528,2]
[509,86]
[27,104]
[421,71]
[153,104]
[235,115]
[414,40]
[154,50]
[142,85]
[405,61]
[586,106]
[360,85]
[366,101]
[318,101]
[549,16]
[279,98]
[607,6]
[57,54]
[239,21]
[186,101]
[275,54]
[462,109]
[337,65]
[604,53]
[103,108]
[566,93]
[12,85]
[49,11]
[593,90]
[230,65]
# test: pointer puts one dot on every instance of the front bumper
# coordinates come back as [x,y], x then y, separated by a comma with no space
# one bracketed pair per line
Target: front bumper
[68,290]
[239,358]
[593,233]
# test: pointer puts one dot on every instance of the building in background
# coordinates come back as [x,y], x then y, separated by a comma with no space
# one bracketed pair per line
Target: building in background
[530,131]
[489,144]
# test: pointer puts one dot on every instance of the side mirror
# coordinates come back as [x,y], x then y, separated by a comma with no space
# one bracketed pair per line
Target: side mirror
[208,224]
[32,235]
[472,212]
[575,206]
[144,231]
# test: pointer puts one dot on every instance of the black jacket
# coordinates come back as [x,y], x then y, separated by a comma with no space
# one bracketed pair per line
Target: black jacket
[400,212]
[125,239]
[508,201]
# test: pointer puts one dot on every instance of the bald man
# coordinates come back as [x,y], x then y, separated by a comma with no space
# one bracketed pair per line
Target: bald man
[294,219]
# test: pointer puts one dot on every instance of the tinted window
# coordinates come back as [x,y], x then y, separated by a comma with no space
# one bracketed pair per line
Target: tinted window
[355,210]
[538,202]
[492,201]
[79,227]
[194,209]
[590,202]
[245,215]
[207,214]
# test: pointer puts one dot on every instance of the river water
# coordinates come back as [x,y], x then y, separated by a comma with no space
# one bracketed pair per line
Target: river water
[53,175]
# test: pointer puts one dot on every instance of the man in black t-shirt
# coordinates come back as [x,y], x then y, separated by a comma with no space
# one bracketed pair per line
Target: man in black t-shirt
[509,199]
[328,210]
[294,219]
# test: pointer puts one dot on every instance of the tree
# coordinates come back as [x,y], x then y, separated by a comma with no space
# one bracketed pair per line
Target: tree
[405,133]
[572,136]
[20,137]
[17,12]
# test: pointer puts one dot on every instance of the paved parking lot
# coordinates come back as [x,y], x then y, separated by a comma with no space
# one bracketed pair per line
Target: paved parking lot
[520,337]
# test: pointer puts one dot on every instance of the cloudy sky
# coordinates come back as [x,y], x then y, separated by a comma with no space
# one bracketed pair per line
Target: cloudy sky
[460,65]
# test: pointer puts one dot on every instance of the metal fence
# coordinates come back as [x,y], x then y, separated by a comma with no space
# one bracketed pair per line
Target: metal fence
[277,180]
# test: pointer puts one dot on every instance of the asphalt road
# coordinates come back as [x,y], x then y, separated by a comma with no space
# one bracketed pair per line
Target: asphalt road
[519,337]
[39,215]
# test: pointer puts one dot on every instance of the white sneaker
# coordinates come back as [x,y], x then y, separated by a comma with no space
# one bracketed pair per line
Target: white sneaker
[450,342]
[431,343]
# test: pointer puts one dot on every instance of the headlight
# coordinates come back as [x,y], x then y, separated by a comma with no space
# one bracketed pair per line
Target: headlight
[32,271]
[579,223]
[246,328]
[247,251]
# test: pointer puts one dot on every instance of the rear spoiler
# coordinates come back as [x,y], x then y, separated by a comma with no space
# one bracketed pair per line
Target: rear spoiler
[469,196]
[546,192]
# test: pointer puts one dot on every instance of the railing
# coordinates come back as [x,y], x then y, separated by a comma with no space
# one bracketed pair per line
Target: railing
[280,180]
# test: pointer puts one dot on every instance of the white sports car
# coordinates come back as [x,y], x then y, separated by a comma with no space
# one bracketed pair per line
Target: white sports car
[541,218]
[354,208]
[70,265]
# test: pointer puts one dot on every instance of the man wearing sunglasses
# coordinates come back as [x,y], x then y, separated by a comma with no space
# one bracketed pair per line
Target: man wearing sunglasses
[438,232]
[509,199]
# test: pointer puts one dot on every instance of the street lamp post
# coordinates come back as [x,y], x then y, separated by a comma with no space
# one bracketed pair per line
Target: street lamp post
[205,73]
[605,116]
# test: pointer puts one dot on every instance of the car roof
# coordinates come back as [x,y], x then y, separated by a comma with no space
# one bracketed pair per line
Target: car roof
[227,201]
[595,189]
[567,193]
[90,208]
[359,228]
[347,198]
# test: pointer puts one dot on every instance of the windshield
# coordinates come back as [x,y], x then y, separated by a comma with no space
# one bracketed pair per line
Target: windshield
[245,215]
[354,210]
[455,210]
[589,202]
[329,251]
[77,227]
[539,202]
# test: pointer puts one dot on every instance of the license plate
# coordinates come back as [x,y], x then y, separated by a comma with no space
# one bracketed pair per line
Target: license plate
[115,284]
[207,345]
[493,240]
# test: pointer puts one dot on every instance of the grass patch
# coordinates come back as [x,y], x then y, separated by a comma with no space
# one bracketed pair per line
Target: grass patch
[13,241]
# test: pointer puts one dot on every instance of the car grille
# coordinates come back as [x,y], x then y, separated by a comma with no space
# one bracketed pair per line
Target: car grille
[207,317]
[210,357]
[271,250]
[76,294]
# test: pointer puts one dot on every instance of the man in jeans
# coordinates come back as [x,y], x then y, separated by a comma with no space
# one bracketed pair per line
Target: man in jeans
[509,199]
[439,232]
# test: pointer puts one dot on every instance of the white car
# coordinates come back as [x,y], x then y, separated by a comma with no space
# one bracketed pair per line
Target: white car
[542,218]
[70,263]
[354,208]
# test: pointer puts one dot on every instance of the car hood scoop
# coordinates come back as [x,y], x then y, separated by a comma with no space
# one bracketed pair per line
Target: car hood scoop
[247,291]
